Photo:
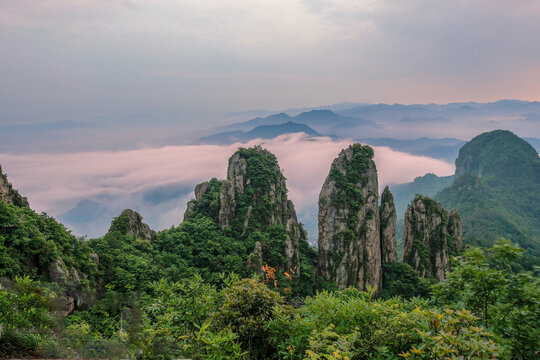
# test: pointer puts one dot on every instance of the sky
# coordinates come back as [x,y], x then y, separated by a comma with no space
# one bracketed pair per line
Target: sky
[190,61]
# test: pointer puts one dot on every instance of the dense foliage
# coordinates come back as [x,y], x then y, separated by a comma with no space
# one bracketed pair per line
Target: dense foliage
[505,299]
[497,192]
[254,318]
[193,291]
[31,243]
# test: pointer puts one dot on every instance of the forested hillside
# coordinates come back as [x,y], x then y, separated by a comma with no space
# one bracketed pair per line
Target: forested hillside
[497,191]
[236,279]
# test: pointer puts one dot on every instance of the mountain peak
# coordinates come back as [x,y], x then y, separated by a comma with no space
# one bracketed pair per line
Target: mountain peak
[322,112]
[494,152]
[254,197]
[496,190]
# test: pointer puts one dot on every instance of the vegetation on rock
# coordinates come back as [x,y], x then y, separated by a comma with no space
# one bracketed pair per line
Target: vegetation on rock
[432,236]
[202,290]
[349,230]
[497,191]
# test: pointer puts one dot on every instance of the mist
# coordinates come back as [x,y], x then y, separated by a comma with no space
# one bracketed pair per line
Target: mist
[158,181]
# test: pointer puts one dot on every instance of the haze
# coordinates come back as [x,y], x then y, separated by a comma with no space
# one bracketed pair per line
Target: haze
[189,61]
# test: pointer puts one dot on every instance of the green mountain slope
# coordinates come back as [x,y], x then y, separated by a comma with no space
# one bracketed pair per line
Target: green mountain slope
[36,245]
[497,190]
[427,185]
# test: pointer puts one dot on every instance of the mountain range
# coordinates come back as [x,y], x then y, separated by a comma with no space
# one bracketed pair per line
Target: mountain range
[259,132]
[395,125]
[324,121]
[349,120]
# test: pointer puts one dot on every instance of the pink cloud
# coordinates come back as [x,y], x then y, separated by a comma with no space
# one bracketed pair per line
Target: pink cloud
[55,182]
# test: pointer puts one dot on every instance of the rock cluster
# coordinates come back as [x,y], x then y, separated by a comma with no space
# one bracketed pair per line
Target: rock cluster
[252,198]
[431,236]
[357,237]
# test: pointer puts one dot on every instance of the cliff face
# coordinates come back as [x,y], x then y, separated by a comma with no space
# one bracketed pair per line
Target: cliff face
[387,211]
[254,197]
[10,195]
[349,228]
[431,236]
[130,223]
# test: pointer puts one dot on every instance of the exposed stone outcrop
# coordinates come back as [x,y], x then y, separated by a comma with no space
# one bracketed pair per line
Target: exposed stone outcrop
[206,200]
[59,273]
[130,223]
[387,211]
[255,259]
[254,197]
[431,236]
[8,194]
[349,228]
[200,190]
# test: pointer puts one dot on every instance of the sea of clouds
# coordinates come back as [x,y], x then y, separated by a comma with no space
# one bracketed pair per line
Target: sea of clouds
[158,181]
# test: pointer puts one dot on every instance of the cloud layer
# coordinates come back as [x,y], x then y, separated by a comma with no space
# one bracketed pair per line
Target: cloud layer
[183,60]
[158,181]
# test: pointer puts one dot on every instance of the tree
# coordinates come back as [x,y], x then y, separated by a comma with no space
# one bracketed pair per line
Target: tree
[507,301]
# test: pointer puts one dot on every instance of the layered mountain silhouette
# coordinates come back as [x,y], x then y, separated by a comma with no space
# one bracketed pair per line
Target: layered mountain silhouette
[320,120]
[444,148]
[259,132]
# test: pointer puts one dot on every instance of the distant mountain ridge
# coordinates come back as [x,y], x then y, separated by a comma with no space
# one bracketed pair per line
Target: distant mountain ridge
[321,120]
[259,132]
[398,111]
[443,148]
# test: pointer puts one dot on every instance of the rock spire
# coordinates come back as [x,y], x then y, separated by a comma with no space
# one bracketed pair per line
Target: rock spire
[349,222]
[130,223]
[387,211]
[431,236]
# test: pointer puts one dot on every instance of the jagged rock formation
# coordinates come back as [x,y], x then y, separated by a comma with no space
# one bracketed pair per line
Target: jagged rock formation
[59,273]
[130,223]
[8,194]
[251,199]
[431,236]
[206,200]
[349,229]
[254,197]
[387,211]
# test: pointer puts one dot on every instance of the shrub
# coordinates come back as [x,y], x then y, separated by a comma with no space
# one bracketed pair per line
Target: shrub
[248,305]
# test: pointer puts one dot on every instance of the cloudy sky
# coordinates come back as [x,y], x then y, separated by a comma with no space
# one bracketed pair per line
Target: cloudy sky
[124,85]
[188,61]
